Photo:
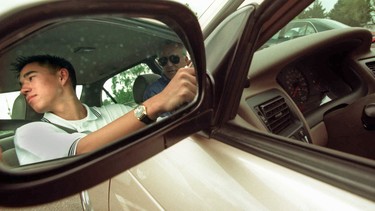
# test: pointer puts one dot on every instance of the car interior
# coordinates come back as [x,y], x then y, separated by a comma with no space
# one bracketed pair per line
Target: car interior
[92,58]
[315,90]
[302,93]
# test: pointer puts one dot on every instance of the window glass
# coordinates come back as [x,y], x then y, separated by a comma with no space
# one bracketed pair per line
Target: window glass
[323,15]
[6,104]
[7,100]
[197,6]
[309,30]
[78,91]
[119,88]
[6,108]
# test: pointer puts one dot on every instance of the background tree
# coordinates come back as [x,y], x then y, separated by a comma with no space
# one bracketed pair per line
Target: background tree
[122,85]
[315,11]
[352,12]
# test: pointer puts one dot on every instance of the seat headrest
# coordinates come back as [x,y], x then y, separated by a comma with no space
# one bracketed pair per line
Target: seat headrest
[140,85]
[10,157]
[21,110]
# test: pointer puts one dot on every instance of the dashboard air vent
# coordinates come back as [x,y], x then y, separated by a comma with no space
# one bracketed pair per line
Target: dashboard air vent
[275,114]
[371,66]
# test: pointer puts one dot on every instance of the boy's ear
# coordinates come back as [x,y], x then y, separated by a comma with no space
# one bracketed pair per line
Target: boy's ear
[64,75]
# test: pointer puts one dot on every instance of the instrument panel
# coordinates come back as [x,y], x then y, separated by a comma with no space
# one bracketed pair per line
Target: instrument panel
[313,84]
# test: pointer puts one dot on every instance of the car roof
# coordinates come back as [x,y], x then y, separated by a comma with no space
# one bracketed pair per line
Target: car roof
[97,47]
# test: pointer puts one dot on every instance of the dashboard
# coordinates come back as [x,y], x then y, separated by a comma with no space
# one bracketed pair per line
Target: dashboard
[316,81]
[292,90]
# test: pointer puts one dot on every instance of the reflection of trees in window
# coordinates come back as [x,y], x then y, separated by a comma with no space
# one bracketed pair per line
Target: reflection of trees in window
[352,12]
[122,85]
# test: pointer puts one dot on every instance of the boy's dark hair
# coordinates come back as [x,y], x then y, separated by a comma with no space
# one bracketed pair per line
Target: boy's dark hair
[49,61]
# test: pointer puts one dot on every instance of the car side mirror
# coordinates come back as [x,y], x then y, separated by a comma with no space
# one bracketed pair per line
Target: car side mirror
[156,19]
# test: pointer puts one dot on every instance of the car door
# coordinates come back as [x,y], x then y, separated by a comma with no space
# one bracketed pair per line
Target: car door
[317,163]
[235,96]
[213,123]
[176,169]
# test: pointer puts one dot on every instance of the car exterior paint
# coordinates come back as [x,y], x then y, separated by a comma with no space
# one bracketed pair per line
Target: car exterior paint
[202,173]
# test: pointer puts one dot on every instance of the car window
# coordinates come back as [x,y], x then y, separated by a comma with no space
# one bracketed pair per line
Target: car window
[320,16]
[309,29]
[323,15]
[119,88]
[318,79]
[299,29]
[7,101]
[6,105]
[198,7]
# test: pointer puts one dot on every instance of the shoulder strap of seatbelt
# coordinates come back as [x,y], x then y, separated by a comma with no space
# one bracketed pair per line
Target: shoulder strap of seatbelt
[66,129]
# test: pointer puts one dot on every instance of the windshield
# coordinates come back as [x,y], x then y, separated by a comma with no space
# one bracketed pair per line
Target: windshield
[197,6]
[322,15]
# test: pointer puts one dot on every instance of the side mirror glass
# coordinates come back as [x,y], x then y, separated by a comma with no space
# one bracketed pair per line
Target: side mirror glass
[117,49]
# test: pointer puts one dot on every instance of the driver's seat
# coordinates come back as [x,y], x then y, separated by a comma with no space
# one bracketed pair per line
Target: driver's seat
[140,85]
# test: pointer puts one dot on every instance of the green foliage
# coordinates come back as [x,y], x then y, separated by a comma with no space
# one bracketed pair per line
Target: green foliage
[316,11]
[122,85]
[352,12]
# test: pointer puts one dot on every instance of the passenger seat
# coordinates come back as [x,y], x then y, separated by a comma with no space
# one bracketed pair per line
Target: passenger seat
[21,111]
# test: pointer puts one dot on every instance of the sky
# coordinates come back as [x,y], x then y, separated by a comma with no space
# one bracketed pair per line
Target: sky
[328,4]
[7,4]
[199,5]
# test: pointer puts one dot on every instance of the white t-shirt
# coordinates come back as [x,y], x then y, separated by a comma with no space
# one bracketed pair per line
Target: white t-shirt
[41,141]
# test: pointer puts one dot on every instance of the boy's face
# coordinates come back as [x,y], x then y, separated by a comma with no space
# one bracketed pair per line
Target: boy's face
[40,86]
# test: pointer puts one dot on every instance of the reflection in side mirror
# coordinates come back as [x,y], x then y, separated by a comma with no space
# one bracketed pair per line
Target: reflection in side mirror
[126,53]
[102,42]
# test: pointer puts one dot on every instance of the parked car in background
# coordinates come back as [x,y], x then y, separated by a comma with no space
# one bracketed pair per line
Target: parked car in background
[302,27]
[282,128]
